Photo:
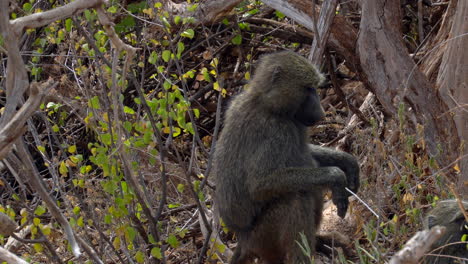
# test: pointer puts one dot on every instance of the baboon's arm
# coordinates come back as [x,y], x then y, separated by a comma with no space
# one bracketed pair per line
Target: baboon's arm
[345,161]
[295,179]
[299,179]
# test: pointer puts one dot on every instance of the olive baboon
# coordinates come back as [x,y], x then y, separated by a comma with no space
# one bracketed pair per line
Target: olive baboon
[447,213]
[270,182]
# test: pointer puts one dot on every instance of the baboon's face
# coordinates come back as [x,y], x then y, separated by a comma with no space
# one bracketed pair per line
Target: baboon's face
[310,111]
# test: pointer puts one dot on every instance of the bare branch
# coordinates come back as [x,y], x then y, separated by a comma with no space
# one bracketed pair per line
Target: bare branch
[9,257]
[327,13]
[38,185]
[16,76]
[44,18]
[109,28]
[15,127]
[89,250]
[417,246]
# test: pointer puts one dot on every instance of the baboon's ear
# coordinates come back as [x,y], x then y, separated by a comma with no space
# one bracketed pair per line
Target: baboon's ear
[276,73]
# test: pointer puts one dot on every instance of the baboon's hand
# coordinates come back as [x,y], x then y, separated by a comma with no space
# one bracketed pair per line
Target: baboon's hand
[352,177]
[339,193]
[340,199]
[351,169]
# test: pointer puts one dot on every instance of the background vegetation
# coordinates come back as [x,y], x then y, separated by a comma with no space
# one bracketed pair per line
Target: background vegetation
[122,138]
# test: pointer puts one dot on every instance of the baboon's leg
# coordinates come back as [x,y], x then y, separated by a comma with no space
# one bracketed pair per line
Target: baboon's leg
[241,254]
[328,242]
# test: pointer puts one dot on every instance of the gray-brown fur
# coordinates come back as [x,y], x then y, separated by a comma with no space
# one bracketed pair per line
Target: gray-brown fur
[269,180]
[447,213]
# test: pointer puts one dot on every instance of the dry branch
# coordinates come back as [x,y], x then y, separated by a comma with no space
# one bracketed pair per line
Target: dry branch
[417,246]
[343,35]
[327,13]
[15,127]
[9,257]
[369,101]
[38,184]
[44,18]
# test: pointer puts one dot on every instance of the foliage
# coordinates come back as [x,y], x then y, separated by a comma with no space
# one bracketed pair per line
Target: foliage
[128,162]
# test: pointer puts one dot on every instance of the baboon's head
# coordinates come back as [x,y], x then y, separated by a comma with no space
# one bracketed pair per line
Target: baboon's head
[286,84]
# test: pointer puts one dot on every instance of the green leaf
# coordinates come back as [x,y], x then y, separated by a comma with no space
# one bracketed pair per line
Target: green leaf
[38,247]
[167,85]
[76,158]
[63,168]
[189,128]
[220,247]
[243,26]
[68,24]
[206,76]
[153,58]
[140,257]
[182,233]
[94,103]
[189,33]
[180,49]
[156,252]
[72,149]
[106,139]
[27,7]
[237,40]
[196,112]
[126,23]
[180,187]
[55,128]
[192,8]
[108,219]
[41,149]
[130,233]
[76,210]
[112,9]
[216,86]
[40,210]
[279,15]
[80,222]
[172,241]
[177,20]
[166,55]
[177,131]
[36,221]
[128,126]
[253,12]
[128,110]
[88,15]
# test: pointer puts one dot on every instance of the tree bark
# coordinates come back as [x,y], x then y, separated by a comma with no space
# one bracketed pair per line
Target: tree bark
[396,79]
[342,37]
[453,86]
